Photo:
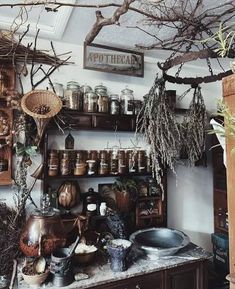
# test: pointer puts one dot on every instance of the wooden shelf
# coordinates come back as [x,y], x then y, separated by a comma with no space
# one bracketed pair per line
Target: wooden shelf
[148,198]
[150,216]
[59,177]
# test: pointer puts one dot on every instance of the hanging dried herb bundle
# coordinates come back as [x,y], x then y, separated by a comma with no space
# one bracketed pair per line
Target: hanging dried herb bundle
[156,122]
[9,238]
[193,128]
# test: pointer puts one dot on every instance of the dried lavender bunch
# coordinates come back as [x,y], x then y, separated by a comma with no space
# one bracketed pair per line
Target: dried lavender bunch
[193,128]
[156,122]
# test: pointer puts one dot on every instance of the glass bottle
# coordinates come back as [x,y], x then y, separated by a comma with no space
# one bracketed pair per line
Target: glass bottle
[84,89]
[73,96]
[121,162]
[132,161]
[80,165]
[114,104]
[103,98]
[90,102]
[142,165]
[59,91]
[65,164]
[69,142]
[114,162]
[127,101]
[53,163]
[103,166]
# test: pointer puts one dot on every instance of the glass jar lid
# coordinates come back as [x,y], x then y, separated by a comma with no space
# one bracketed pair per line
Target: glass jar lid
[85,88]
[73,85]
[100,88]
[127,91]
[114,96]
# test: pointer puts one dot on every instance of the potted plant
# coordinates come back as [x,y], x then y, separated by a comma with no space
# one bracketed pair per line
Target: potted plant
[126,193]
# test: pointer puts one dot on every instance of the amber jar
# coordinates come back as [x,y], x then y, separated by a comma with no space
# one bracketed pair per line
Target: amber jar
[121,162]
[142,162]
[103,165]
[42,234]
[80,164]
[114,162]
[53,163]
[132,161]
[65,167]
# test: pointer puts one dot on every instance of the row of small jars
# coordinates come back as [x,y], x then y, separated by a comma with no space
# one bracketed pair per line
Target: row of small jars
[85,99]
[94,162]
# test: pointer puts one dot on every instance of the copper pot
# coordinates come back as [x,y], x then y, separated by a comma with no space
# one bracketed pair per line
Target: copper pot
[42,234]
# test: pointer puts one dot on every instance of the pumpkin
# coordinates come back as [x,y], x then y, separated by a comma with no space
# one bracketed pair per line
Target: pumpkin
[69,194]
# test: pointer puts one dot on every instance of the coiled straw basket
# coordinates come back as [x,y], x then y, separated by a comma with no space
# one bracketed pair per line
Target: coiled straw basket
[37,98]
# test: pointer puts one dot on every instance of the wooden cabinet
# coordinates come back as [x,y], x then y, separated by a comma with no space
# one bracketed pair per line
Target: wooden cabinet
[219,188]
[188,276]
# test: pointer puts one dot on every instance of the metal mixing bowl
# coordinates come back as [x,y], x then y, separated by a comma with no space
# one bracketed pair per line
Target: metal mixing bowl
[159,242]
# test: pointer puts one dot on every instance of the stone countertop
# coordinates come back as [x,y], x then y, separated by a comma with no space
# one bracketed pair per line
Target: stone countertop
[100,273]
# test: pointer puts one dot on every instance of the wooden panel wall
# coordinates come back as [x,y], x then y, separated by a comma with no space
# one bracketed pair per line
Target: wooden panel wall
[229,97]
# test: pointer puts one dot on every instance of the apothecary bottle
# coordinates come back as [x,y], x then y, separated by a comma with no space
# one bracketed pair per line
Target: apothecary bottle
[73,96]
[103,98]
[142,161]
[80,164]
[127,101]
[53,163]
[103,162]
[90,102]
[114,162]
[122,168]
[65,164]
[92,162]
[114,104]
[132,161]
[84,89]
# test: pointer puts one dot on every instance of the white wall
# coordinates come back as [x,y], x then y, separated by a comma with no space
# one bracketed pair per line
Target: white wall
[190,196]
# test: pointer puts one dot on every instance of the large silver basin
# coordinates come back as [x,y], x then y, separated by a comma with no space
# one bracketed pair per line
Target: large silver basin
[159,242]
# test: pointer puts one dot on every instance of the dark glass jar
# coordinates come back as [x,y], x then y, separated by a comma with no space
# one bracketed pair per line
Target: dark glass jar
[53,163]
[103,98]
[114,104]
[65,167]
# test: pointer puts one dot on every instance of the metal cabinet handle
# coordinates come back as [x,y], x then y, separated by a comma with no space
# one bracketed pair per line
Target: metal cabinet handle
[137,286]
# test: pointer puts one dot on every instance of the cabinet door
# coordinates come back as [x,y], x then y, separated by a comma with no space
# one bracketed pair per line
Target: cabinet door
[148,281]
[185,277]
[112,122]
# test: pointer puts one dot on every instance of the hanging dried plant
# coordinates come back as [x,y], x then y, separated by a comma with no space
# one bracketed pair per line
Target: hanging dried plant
[156,122]
[193,128]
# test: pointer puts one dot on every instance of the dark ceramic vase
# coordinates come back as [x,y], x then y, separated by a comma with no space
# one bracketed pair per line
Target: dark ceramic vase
[118,250]
[61,268]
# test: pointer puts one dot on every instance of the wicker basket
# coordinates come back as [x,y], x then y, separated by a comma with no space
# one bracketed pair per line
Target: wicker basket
[36,98]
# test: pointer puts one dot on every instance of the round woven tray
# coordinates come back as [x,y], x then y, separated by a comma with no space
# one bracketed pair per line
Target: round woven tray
[36,98]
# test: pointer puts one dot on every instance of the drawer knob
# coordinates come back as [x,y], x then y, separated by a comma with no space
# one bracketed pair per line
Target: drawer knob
[137,286]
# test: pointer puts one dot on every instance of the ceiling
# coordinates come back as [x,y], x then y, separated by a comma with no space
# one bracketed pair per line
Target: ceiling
[71,25]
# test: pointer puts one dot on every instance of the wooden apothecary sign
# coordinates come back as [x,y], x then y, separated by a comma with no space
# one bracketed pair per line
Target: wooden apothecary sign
[114,60]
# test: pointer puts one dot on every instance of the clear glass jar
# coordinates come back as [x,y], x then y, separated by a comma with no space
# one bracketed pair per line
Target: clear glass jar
[142,164]
[132,161]
[103,165]
[90,102]
[127,101]
[103,98]
[122,162]
[114,105]
[59,91]
[114,162]
[80,164]
[73,96]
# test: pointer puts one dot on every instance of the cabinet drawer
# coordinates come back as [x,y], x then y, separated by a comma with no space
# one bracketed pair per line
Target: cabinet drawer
[149,281]
[112,122]
[78,121]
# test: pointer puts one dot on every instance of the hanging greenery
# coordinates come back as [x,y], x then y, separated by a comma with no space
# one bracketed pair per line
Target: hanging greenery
[156,122]
[193,128]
